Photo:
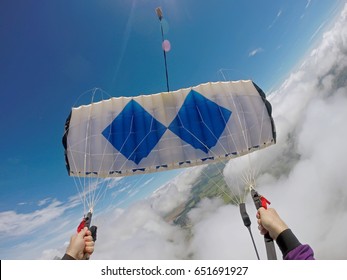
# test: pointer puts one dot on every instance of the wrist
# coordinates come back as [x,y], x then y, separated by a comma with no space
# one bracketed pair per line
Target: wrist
[277,231]
[72,254]
[287,241]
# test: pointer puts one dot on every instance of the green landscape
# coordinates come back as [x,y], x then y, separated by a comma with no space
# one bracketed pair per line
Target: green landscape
[209,184]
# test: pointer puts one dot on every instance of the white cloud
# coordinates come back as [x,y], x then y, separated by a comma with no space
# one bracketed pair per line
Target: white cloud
[279,13]
[218,233]
[22,203]
[140,232]
[44,201]
[255,51]
[174,193]
[29,234]
[317,30]
[16,224]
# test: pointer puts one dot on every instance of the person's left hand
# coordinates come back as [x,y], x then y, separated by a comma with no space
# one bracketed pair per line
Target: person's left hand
[81,245]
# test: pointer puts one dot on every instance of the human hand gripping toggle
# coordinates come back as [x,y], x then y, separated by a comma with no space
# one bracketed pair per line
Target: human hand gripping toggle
[86,223]
[261,201]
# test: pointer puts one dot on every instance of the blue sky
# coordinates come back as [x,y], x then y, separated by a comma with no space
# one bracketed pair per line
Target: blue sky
[51,52]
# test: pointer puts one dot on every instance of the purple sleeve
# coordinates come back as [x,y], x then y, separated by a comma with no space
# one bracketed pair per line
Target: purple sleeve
[302,252]
[291,247]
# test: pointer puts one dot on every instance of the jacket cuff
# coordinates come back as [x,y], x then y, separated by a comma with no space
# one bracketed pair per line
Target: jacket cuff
[67,257]
[287,241]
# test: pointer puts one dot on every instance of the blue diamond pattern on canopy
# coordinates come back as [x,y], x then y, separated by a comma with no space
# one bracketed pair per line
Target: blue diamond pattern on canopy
[134,132]
[123,136]
[200,121]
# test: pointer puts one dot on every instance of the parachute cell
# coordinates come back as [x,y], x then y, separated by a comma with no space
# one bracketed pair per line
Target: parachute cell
[149,133]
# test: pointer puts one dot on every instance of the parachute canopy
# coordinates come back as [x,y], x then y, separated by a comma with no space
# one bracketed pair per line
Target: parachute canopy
[149,133]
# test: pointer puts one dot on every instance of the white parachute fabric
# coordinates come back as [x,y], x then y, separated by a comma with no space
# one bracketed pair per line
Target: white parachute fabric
[149,133]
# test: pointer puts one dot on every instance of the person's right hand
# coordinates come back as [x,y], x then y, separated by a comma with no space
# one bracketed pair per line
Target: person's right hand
[270,222]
